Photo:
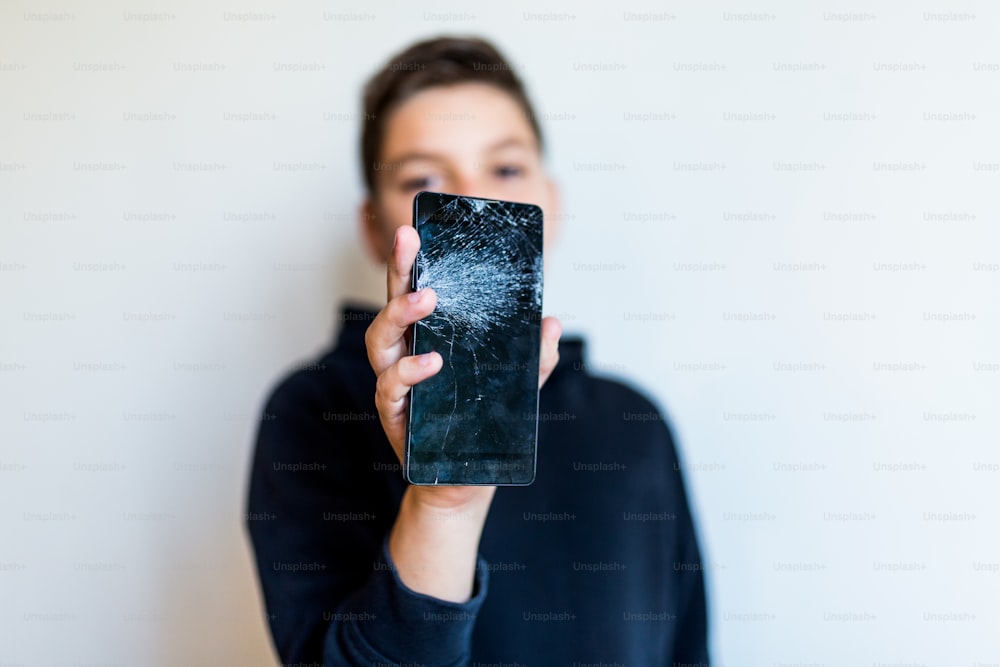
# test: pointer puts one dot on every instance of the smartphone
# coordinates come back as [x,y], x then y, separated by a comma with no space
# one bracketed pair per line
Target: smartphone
[476,420]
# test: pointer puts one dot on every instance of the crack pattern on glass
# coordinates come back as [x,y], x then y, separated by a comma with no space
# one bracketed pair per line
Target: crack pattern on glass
[479,271]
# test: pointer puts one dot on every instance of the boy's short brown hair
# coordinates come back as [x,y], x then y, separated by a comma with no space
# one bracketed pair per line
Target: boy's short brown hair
[442,61]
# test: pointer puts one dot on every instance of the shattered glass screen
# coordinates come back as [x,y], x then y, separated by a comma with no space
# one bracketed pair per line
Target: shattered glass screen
[475,422]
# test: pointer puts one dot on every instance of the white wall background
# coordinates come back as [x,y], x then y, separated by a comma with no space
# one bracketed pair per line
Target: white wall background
[803,235]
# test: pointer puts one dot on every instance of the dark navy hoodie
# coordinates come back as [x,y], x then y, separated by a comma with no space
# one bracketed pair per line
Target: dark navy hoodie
[596,562]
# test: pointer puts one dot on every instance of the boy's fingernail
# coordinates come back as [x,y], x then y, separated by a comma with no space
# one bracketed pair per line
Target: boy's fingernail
[414,296]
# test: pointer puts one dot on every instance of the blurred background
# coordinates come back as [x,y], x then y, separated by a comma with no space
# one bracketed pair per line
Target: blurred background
[781,221]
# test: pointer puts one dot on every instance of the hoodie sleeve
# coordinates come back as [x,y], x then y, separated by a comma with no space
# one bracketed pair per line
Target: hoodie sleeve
[318,518]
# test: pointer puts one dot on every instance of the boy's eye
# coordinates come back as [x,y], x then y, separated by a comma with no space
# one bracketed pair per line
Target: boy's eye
[507,171]
[417,183]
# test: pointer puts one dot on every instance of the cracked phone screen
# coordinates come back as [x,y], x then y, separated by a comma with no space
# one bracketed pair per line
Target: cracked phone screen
[475,421]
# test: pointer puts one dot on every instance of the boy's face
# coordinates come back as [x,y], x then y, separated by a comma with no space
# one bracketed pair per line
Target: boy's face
[468,139]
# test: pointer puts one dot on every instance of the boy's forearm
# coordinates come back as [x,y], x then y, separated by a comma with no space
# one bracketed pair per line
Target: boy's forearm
[435,549]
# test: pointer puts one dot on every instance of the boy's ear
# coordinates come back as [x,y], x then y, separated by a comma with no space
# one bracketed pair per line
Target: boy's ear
[371,231]
[555,212]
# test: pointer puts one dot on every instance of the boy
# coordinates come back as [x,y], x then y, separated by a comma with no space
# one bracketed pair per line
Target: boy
[596,562]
